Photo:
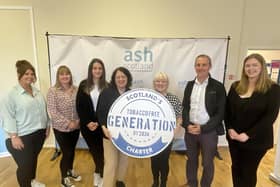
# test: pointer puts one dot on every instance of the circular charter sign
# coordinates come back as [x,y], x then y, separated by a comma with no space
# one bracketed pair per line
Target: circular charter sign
[141,122]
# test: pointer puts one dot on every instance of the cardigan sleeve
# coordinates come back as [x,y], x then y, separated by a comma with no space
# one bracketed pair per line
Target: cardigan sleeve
[103,106]
[267,120]
[84,106]
[8,112]
[228,110]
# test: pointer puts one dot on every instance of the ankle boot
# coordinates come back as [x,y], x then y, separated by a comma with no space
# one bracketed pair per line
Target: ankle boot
[120,184]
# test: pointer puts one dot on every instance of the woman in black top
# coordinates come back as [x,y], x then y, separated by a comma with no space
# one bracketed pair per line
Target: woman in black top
[252,107]
[86,103]
[115,161]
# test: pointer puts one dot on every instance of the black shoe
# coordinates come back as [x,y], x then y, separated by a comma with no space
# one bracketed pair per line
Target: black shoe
[218,155]
[72,175]
[66,182]
[163,184]
[120,184]
[155,184]
[55,155]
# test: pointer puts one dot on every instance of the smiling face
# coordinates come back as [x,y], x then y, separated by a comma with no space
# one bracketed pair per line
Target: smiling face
[27,78]
[252,68]
[161,85]
[202,67]
[64,78]
[121,80]
[97,70]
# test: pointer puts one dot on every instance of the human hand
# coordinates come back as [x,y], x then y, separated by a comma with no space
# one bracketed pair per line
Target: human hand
[194,129]
[242,137]
[179,121]
[232,134]
[92,125]
[17,143]
[106,132]
[47,132]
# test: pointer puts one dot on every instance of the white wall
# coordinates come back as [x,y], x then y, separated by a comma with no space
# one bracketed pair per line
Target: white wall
[249,23]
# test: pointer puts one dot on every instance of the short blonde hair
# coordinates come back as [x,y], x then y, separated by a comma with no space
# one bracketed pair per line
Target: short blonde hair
[161,75]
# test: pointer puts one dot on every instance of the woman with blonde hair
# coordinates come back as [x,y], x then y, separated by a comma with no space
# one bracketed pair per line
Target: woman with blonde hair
[251,109]
[61,105]
[159,163]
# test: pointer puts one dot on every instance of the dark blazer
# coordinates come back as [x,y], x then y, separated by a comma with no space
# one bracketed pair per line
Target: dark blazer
[105,101]
[215,99]
[254,116]
[106,98]
[84,106]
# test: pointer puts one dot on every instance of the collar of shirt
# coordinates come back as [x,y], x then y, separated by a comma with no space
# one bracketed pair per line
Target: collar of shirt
[21,90]
[203,83]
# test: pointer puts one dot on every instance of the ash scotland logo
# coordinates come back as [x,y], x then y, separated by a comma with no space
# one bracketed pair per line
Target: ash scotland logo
[141,122]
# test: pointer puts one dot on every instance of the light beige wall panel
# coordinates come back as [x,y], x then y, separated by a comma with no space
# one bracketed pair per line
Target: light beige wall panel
[261,28]
[16,43]
[217,18]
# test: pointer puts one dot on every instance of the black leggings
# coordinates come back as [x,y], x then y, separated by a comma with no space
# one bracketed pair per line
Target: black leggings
[67,142]
[244,165]
[160,165]
[94,140]
[26,159]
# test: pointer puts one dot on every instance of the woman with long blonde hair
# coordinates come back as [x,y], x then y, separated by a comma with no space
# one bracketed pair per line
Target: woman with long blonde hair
[252,107]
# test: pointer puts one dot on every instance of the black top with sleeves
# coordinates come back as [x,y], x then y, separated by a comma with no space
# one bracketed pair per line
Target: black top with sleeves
[84,106]
[105,101]
[254,116]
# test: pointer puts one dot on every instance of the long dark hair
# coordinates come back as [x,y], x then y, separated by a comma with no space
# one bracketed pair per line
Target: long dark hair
[89,81]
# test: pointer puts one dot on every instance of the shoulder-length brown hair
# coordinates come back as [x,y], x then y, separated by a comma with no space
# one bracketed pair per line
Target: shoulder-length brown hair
[263,82]
[60,70]
[127,74]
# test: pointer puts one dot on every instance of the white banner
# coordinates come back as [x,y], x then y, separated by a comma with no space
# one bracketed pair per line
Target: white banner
[143,57]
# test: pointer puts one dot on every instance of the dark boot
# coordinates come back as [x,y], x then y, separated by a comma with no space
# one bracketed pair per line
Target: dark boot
[217,155]
[155,183]
[163,184]
[120,184]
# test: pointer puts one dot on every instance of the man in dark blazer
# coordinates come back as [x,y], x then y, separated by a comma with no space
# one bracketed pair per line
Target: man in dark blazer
[203,113]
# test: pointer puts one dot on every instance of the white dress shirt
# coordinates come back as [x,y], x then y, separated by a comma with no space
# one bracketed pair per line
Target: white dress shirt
[198,112]
[94,94]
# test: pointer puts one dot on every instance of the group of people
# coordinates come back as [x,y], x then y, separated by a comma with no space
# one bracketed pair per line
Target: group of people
[248,112]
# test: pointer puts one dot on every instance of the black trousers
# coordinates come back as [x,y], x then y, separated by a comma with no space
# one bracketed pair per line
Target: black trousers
[67,142]
[26,159]
[160,165]
[244,165]
[94,140]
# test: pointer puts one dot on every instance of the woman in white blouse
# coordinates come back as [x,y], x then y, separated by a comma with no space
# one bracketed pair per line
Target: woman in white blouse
[86,103]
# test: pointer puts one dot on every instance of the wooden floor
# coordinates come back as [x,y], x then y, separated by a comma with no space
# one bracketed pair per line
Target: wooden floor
[138,173]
